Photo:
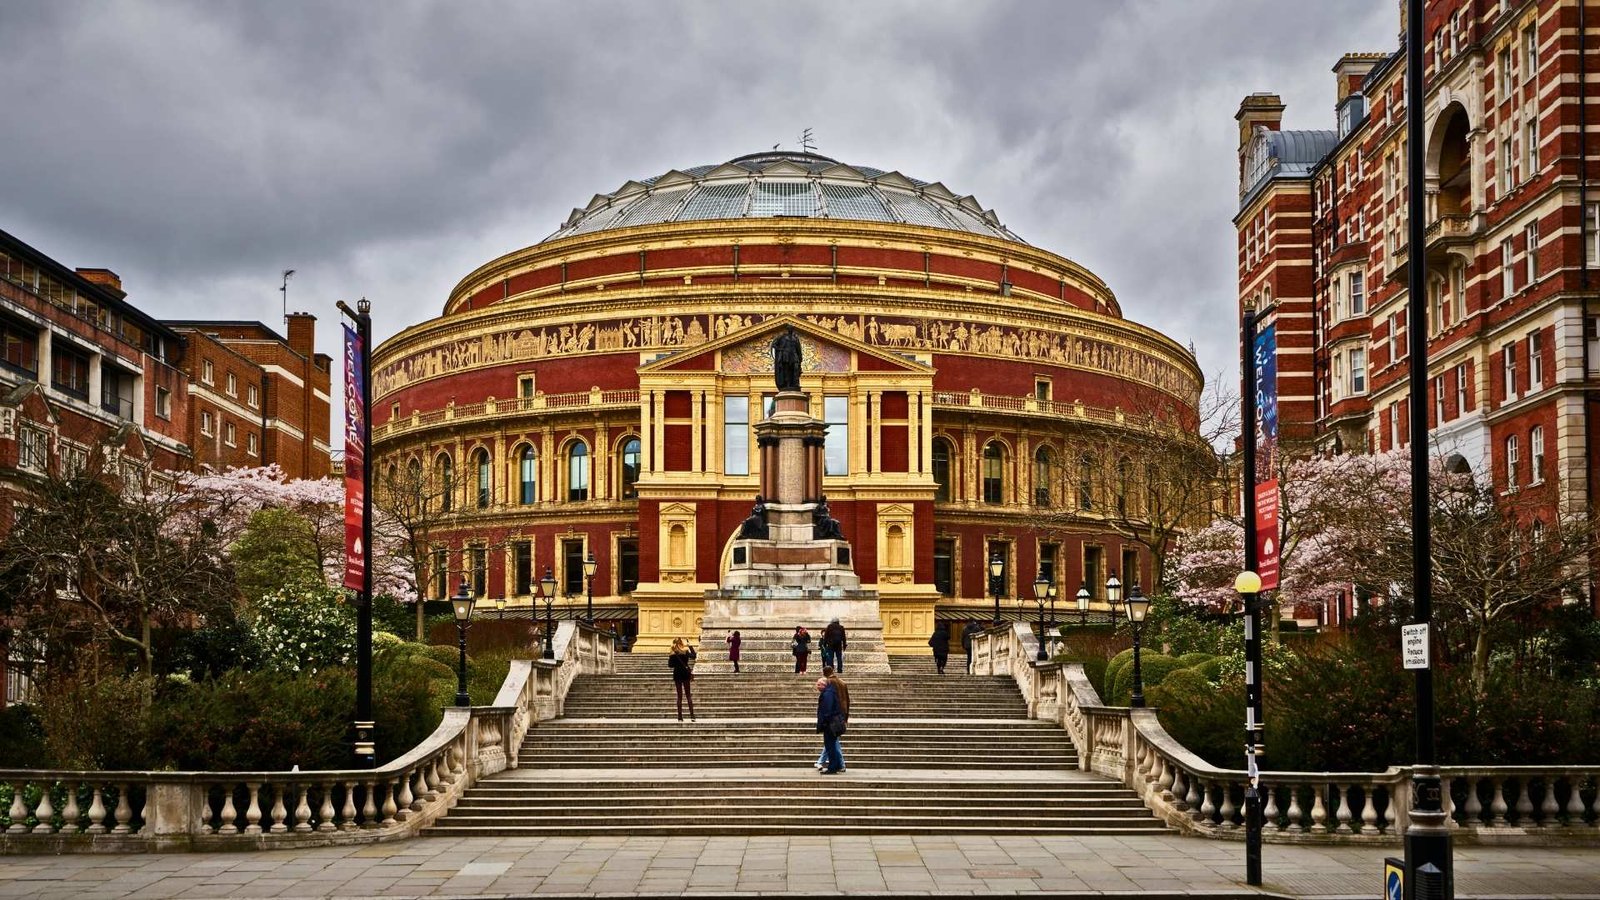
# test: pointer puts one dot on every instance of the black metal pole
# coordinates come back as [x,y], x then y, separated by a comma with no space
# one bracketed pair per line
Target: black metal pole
[1427,838]
[588,613]
[462,697]
[549,618]
[1137,700]
[1042,655]
[365,727]
[1252,616]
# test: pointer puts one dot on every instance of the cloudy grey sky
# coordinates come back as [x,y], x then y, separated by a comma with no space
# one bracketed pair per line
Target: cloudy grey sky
[386,148]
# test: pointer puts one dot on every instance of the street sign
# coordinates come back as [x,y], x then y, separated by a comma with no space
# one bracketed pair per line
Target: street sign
[1394,878]
[1414,646]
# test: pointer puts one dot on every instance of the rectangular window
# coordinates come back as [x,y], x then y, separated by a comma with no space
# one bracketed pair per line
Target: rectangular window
[1508,271]
[70,371]
[1535,361]
[208,372]
[1358,371]
[525,387]
[1094,572]
[230,435]
[1530,147]
[1508,371]
[1438,400]
[1458,293]
[998,586]
[1536,453]
[1041,388]
[1504,163]
[1530,54]
[163,403]
[1048,554]
[522,568]
[1392,341]
[232,385]
[33,449]
[1394,425]
[19,349]
[478,562]
[1591,237]
[1130,570]
[253,396]
[1503,80]
[1339,388]
[1358,294]
[441,573]
[1338,300]
[116,392]
[1531,236]
[572,568]
[1513,462]
[252,443]
[1461,389]
[205,423]
[736,435]
[627,566]
[836,447]
[944,567]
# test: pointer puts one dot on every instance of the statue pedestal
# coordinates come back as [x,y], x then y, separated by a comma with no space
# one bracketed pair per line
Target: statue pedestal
[765,619]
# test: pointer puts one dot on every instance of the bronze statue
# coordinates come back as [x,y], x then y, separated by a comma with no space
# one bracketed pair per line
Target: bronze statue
[823,526]
[786,360]
[755,526]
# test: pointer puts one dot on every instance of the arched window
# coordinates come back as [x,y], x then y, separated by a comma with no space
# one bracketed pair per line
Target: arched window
[578,472]
[480,461]
[630,468]
[527,476]
[941,471]
[1086,482]
[1043,462]
[444,470]
[994,480]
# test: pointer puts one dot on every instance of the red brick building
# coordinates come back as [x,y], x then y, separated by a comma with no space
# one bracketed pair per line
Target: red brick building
[596,392]
[1511,239]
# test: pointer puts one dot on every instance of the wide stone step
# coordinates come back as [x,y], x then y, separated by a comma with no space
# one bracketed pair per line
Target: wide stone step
[811,824]
[546,793]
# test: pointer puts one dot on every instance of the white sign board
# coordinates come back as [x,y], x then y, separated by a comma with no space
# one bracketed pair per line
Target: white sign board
[1414,646]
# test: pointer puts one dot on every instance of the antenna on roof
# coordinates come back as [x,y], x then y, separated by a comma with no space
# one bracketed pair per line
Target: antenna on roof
[774,147]
[807,144]
[285,291]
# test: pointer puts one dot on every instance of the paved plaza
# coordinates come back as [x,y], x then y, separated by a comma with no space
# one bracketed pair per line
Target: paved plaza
[899,865]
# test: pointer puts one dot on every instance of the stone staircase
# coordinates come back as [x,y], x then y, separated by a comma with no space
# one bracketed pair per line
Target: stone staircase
[925,754]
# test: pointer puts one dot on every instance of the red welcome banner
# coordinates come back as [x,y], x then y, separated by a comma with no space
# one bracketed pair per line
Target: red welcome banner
[1267,533]
[355,461]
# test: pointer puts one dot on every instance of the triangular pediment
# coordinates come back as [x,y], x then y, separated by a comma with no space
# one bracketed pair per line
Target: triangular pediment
[749,349]
[785,167]
[29,400]
[130,441]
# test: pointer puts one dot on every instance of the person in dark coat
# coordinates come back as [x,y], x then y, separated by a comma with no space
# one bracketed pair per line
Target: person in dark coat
[830,713]
[681,661]
[967,634]
[734,640]
[843,690]
[940,642]
[833,644]
[801,648]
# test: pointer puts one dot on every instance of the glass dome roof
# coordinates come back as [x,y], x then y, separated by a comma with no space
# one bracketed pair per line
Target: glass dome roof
[784,184]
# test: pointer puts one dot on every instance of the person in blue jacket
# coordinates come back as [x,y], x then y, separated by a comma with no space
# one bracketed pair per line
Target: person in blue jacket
[830,721]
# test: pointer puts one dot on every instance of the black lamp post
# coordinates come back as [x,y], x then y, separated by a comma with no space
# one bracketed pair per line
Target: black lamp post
[1041,590]
[547,590]
[589,567]
[461,605]
[1083,604]
[997,577]
[1052,607]
[1248,584]
[1137,607]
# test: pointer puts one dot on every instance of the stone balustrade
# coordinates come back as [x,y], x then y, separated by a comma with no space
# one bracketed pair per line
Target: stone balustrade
[66,811]
[1487,804]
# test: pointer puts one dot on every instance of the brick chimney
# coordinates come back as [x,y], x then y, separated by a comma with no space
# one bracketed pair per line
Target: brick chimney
[1259,109]
[104,278]
[303,333]
[1352,69]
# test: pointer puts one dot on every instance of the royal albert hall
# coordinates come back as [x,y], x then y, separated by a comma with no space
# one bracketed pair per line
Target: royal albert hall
[593,395]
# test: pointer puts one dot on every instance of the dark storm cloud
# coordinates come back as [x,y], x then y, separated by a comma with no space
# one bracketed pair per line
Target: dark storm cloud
[387,148]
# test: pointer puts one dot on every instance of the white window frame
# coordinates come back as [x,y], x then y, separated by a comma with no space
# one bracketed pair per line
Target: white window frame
[207,426]
[1358,371]
[1513,461]
[1461,389]
[1535,361]
[1508,269]
[33,449]
[1508,371]
[1458,293]
[230,434]
[1592,238]
[1536,454]
[252,396]
[1530,233]
[163,403]
[208,372]
[252,444]
[1530,53]
[1358,293]
[732,464]
[231,385]
[1438,400]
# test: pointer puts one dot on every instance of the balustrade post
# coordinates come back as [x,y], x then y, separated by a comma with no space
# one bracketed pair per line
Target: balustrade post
[97,812]
[1474,807]
[369,806]
[1228,808]
[325,810]
[1524,803]
[45,812]
[1207,809]
[1446,785]
[70,815]
[302,809]
[1194,797]
[1319,810]
[1497,805]
[19,809]
[1343,813]
[403,799]
[124,811]
[1369,810]
[252,813]
[1269,813]
[280,814]
[1295,814]
[347,812]
[1165,777]
[1548,808]
[1180,800]
[230,816]
[1575,817]
[422,788]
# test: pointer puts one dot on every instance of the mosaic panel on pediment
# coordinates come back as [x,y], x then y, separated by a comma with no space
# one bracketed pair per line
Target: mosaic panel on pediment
[756,357]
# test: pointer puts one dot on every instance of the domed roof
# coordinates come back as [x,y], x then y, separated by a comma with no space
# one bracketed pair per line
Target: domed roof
[783,184]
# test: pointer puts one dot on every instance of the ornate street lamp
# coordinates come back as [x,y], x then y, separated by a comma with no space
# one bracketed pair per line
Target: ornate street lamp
[1052,608]
[1137,607]
[461,606]
[1041,591]
[547,590]
[500,604]
[997,577]
[1083,604]
[589,567]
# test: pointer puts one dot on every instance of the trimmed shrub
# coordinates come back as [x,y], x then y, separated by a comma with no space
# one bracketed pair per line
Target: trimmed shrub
[1153,667]
[490,634]
[1190,660]
[304,629]
[1207,718]
[1117,664]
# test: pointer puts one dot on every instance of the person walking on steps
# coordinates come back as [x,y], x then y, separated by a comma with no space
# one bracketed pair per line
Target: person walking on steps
[967,633]
[940,642]
[734,640]
[833,645]
[830,722]
[681,661]
[801,647]
[830,677]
